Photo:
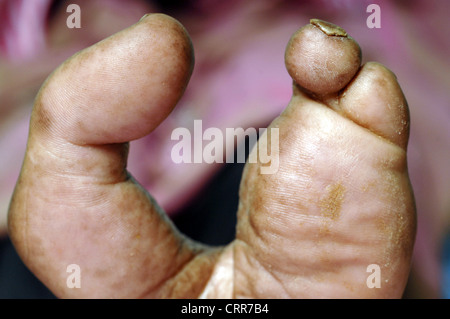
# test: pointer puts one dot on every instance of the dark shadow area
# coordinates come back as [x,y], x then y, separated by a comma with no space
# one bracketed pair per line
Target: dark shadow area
[211,217]
[16,281]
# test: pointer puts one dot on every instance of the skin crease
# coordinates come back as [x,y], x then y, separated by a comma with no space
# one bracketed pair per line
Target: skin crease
[309,230]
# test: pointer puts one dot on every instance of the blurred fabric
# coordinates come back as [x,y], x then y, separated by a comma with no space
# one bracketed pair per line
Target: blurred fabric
[239,81]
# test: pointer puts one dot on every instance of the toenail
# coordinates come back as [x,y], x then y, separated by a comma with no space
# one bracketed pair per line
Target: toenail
[144,16]
[328,28]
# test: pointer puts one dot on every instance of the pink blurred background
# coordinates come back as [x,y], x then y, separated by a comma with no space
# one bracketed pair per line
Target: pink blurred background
[239,80]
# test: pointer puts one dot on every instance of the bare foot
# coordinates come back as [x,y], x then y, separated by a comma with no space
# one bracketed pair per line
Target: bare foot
[340,201]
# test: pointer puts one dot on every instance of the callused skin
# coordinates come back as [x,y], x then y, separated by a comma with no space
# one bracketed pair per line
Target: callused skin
[340,201]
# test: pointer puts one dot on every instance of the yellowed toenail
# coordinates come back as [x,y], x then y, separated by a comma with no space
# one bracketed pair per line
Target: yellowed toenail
[328,28]
[144,16]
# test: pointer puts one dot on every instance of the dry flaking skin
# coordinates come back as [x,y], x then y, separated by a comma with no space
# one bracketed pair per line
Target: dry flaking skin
[329,28]
[331,204]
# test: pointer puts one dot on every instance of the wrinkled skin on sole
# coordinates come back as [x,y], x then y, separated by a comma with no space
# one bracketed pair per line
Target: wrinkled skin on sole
[340,201]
